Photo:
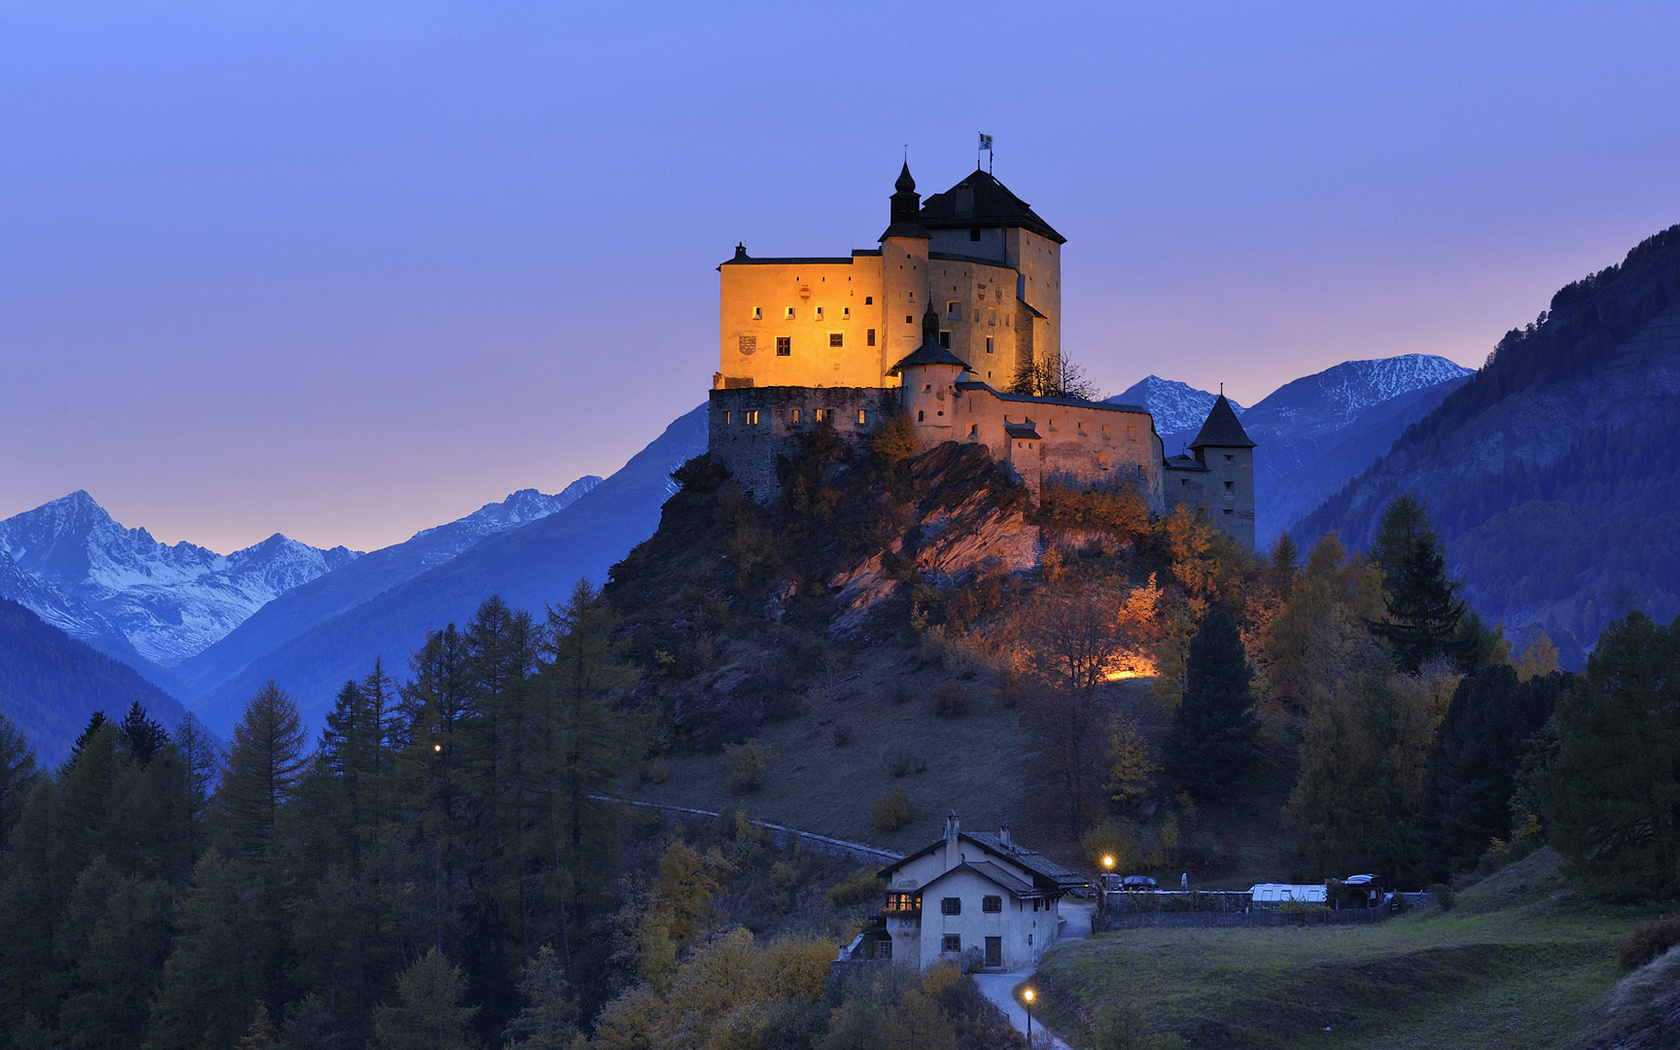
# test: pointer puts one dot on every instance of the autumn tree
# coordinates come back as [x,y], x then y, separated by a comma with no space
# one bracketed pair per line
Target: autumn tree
[1066,757]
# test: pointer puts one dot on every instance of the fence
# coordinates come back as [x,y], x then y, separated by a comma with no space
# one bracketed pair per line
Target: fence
[1312,916]
[784,836]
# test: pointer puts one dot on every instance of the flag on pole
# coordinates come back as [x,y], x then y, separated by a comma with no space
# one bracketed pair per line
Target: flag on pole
[985,141]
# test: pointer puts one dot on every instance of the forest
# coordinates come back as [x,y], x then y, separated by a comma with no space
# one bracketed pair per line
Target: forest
[445,866]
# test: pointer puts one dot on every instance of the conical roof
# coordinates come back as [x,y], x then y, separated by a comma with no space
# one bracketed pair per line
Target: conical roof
[1222,429]
[929,353]
[905,183]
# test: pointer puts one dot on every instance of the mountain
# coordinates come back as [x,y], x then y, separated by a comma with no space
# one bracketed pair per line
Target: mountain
[1322,429]
[308,604]
[1179,408]
[50,684]
[1551,472]
[530,567]
[1314,433]
[97,579]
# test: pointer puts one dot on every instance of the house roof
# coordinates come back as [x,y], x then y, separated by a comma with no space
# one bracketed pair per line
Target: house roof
[1183,462]
[1047,875]
[929,353]
[1222,428]
[981,200]
[993,874]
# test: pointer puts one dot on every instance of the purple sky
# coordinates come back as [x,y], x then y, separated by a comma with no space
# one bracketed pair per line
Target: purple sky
[346,270]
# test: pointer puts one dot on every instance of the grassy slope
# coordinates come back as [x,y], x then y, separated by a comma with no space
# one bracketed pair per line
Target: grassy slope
[1519,963]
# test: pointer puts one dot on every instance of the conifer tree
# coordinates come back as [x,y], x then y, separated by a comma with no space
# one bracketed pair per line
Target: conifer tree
[216,972]
[17,777]
[1473,763]
[142,734]
[110,947]
[428,1012]
[263,768]
[1423,607]
[548,1020]
[1612,796]
[1215,739]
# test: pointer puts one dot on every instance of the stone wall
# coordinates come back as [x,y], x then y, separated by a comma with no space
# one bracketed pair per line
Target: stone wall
[748,427]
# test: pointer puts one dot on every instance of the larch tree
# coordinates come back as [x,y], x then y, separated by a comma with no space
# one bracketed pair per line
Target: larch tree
[263,767]
[1215,740]
[429,1011]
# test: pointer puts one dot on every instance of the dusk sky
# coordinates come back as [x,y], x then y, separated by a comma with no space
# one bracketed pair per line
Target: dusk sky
[347,270]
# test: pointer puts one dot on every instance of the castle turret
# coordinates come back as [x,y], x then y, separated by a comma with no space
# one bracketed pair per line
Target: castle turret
[928,379]
[1225,453]
[904,273]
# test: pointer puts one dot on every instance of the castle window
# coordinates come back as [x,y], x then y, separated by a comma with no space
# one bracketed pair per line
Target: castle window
[784,346]
[836,340]
[945,340]
[927,388]
[909,320]
[974,431]
[1105,428]
[862,417]
[953,310]
[991,315]
[973,234]
[1102,460]
[918,416]
[952,942]
[726,417]
[758,313]
[1230,459]
[789,314]
[1230,486]
[912,296]
[821,414]
[1184,481]
[750,417]
[869,300]
[988,344]
[1081,427]
[795,416]
[819,313]
[950,906]
[991,904]
[1131,433]
[1228,510]
[845,313]
[869,337]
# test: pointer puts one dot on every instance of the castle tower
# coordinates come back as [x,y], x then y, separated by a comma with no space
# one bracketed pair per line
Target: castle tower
[1224,450]
[904,274]
[928,381]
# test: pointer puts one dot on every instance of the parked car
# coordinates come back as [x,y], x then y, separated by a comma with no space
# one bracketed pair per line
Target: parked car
[1139,884]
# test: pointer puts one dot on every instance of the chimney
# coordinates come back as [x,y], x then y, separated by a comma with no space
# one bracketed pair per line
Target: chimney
[1003,836]
[952,856]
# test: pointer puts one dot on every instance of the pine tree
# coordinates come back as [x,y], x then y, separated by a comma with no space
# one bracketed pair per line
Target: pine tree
[1473,763]
[428,1013]
[17,778]
[1423,607]
[142,734]
[548,1020]
[263,768]
[1215,743]
[217,967]
[1612,796]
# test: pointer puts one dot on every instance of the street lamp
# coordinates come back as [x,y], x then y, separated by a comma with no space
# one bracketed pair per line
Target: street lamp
[1027,994]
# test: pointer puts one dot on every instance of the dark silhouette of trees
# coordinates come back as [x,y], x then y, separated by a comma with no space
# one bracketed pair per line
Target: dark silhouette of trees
[1215,739]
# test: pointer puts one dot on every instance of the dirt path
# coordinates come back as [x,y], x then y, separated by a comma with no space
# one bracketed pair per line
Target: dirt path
[999,988]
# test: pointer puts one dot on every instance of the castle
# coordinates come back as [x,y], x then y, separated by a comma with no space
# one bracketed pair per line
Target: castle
[975,276]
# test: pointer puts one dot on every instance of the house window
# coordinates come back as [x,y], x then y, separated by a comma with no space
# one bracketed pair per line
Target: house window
[836,340]
[789,314]
[784,346]
[758,313]
[869,337]
[991,904]
[1035,904]
[988,344]
[950,906]
[883,948]
[951,943]
[912,296]
[973,234]
[869,300]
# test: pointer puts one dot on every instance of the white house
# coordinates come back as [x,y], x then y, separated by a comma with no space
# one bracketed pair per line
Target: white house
[969,891]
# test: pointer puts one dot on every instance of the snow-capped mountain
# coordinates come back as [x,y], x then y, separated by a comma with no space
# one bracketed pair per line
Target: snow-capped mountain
[1179,408]
[92,577]
[1320,404]
[373,574]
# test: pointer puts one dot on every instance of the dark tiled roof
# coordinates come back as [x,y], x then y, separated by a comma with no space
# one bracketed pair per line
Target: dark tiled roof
[1036,863]
[905,229]
[1100,406]
[1029,307]
[984,202]
[988,870]
[1183,462]
[1022,431]
[929,353]
[1222,428]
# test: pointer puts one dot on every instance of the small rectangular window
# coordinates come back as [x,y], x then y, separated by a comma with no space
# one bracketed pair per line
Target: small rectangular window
[950,906]
[945,340]
[1230,486]
[1229,511]
[1230,459]
[789,314]
[758,313]
[869,337]
[862,418]
[726,418]
[819,313]
[951,943]
[750,417]
[953,310]
[822,413]
[845,313]
[784,346]
[909,320]
[991,904]
[1131,433]
[973,234]
[795,415]
[836,339]
[1035,904]
[991,315]
[988,344]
